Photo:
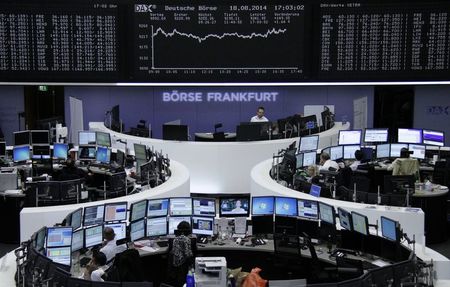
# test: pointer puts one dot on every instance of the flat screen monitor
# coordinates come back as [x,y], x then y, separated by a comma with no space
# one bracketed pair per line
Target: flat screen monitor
[60,151]
[137,230]
[376,135]
[175,132]
[309,158]
[86,138]
[22,138]
[103,139]
[120,230]
[140,152]
[315,190]
[77,240]
[431,137]
[262,205]
[76,218]
[181,206]
[336,152]
[157,207]
[309,143]
[286,206]
[307,209]
[360,223]
[138,210]
[299,161]
[41,151]
[204,206]
[93,215]
[413,136]
[2,149]
[156,226]
[389,229]
[349,151]
[345,219]
[418,151]
[396,148]
[349,137]
[21,153]
[174,221]
[40,238]
[383,150]
[116,211]
[93,236]
[285,225]
[234,206]
[59,236]
[103,155]
[262,224]
[327,213]
[61,255]
[39,137]
[203,225]
[86,152]
[367,153]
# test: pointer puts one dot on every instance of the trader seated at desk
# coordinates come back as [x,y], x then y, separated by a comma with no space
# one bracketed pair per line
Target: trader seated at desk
[259,116]
[110,247]
[70,171]
[359,155]
[94,270]
[405,165]
[326,163]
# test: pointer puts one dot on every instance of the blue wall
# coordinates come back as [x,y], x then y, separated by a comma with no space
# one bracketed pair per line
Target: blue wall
[148,103]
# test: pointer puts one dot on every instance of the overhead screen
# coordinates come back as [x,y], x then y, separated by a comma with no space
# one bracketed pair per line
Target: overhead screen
[220,41]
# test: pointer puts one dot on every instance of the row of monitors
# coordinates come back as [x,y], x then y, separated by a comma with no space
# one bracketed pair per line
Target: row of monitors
[94,138]
[42,151]
[409,136]
[31,137]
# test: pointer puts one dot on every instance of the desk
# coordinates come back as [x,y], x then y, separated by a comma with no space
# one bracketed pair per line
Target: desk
[208,137]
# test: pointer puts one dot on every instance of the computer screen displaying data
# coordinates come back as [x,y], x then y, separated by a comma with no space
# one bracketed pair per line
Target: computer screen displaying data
[77,240]
[93,215]
[180,206]
[286,206]
[345,218]
[383,150]
[263,205]
[309,143]
[307,209]
[120,229]
[336,152]
[360,223]
[299,160]
[156,226]
[203,225]
[93,236]
[309,158]
[59,236]
[204,206]
[349,137]
[137,230]
[376,135]
[86,138]
[418,151]
[389,228]
[349,151]
[174,221]
[157,207]
[413,136]
[21,153]
[396,149]
[315,190]
[61,255]
[431,137]
[327,213]
[103,155]
[138,210]
[60,151]
[116,211]
[103,139]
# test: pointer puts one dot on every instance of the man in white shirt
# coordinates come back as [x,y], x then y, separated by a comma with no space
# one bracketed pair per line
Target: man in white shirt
[259,118]
[326,162]
[110,248]
[358,156]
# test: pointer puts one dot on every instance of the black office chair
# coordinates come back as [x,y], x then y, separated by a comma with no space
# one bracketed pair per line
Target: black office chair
[404,272]
[361,196]
[287,255]
[78,282]
[58,276]
[362,182]
[397,199]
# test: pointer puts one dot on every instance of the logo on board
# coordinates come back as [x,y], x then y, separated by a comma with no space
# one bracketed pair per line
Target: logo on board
[219,97]
[438,110]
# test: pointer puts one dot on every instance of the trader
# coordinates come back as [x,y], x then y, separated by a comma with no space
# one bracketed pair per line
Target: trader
[70,171]
[259,118]
[359,155]
[110,247]
[326,163]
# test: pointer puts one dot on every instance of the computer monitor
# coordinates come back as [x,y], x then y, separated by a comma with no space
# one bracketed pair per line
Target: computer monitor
[22,138]
[383,150]
[93,215]
[175,132]
[315,190]
[156,226]
[204,206]
[86,138]
[157,207]
[120,230]
[360,223]
[327,213]
[61,255]
[140,152]
[418,151]
[349,137]
[413,136]
[285,225]
[336,152]
[181,206]
[40,137]
[137,230]
[376,135]
[93,236]
[286,206]
[299,161]
[2,149]
[174,221]
[262,224]
[389,229]
[116,211]
[431,137]
[345,219]
[309,158]
[103,155]
[203,225]
[87,152]
[59,236]
[60,151]
[21,153]
[309,143]
[262,205]
[396,148]
[307,209]
[349,151]
[76,218]
[39,243]
[77,240]
[138,210]
[103,139]
[367,154]
[234,206]
[41,151]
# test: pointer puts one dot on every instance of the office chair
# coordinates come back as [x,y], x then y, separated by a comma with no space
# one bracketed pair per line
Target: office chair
[287,255]
[361,181]
[405,166]
[219,136]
